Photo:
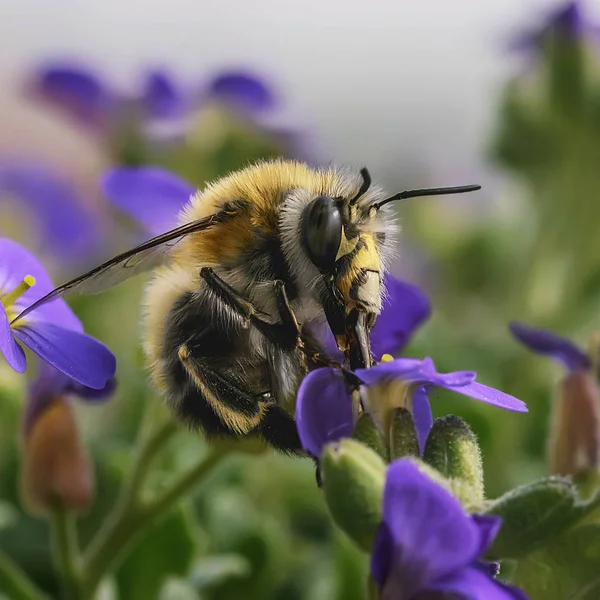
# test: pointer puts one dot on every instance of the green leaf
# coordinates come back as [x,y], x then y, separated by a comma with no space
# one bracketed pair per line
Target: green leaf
[533,514]
[8,514]
[178,589]
[566,569]
[166,550]
[216,569]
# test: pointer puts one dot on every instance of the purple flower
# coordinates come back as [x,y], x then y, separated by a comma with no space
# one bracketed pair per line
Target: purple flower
[149,195]
[427,545]
[544,342]
[323,406]
[53,332]
[57,216]
[240,92]
[567,22]
[52,383]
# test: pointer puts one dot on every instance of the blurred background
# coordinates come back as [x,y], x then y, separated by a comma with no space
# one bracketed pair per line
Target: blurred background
[504,93]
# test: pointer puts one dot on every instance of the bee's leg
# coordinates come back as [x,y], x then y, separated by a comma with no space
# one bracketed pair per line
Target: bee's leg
[238,411]
[284,335]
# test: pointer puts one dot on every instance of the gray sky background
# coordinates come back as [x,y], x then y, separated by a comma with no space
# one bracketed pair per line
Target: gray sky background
[396,84]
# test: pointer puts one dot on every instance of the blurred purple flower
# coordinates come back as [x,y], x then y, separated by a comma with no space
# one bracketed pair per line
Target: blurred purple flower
[568,22]
[323,406]
[149,195]
[58,217]
[554,346]
[53,332]
[428,546]
[574,439]
[93,102]
[51,383]
[240,92]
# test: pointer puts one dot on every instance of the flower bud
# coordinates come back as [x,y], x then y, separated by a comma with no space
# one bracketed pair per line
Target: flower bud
[353,481]
[452,449]
[403,435]
[574,442]
[367,432]
[55,467]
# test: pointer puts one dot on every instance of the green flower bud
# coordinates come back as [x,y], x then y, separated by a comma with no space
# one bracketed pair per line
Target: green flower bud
[403,435]
[367,432]
[452,449]
[353,480]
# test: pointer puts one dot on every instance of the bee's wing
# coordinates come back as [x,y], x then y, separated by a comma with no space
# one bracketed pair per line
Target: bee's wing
[141,258]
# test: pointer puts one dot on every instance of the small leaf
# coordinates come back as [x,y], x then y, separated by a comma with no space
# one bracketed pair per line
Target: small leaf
[217,569]
[178,589]
[565,569]
[532,515]
[8,515]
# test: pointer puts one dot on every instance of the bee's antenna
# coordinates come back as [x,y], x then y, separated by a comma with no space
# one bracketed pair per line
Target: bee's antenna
[428,192]
[366,184]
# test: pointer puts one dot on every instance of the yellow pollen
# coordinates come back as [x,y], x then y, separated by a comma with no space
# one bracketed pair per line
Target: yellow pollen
[387,358]
[9,299]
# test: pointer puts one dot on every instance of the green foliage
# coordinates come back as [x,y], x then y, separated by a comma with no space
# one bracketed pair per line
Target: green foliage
[178,534]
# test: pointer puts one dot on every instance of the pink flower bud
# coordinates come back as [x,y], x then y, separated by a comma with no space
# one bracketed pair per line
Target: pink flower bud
[574,443]
[56,468]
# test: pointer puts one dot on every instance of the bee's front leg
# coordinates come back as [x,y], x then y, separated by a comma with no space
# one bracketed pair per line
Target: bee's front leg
[284,335]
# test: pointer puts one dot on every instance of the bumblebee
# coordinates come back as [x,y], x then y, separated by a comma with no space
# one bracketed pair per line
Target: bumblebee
[260,258]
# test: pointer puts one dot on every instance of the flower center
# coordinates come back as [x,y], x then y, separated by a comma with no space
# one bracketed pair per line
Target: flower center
[11,297]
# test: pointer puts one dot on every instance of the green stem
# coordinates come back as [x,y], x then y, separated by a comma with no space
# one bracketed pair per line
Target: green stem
[372,589]
[66,552]
[133,515]
[15,584]
[125,520]
[184,483]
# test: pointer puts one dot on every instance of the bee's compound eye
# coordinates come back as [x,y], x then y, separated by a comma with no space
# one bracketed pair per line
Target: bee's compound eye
[322,231]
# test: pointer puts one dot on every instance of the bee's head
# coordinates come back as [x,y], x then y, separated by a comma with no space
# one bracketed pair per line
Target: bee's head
[345,239]
[339,243]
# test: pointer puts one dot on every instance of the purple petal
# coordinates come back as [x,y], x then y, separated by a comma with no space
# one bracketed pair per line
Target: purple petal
[323,409]
[241,91]
[66,226]
[481,392]
[15,263]
[552,345]
[422,416]
[433,536]
[74,89]
[13,353]
[406,308]
[474,584]
[406,369]
[489,526]
[412,370]
[150,195]
[76,354]
[383,555]
[161,97]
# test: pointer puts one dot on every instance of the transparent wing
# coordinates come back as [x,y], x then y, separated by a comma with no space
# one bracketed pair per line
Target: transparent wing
[141,258]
